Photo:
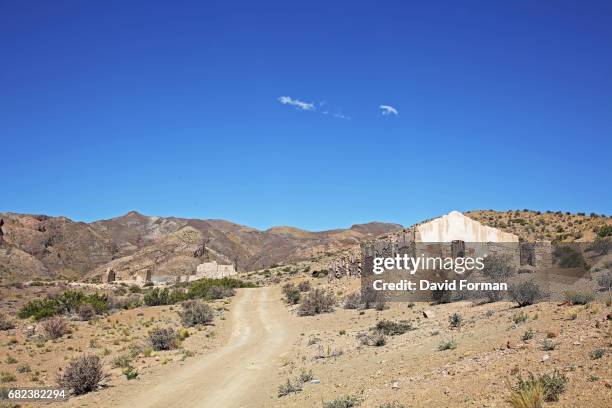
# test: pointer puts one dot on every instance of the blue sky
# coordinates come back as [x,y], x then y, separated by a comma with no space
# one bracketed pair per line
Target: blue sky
[172,108]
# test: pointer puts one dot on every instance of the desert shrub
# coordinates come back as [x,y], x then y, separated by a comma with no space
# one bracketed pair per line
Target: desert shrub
[23,368]
[86,312]
[498,267]
[289,387]
[568,257]
[292,294]
[597,353]
[533,391]
[578,298]
[450,344]
[121,361]
[519,318]
[604,231]
[315,302]
[130,373]
[99,302]
[202,287]
[6,377]
[135,289]
[528,335]
[305,376]
[605,281]
[304,286]
[220,292]
[394,404]
[39,309]
[82,375]
[347,401]
[554,385]
[195,312]
[163,338]
[352,301]
[157,297]
[548,345]
[600,246]
[527,395]
[373,299]
[55,327]
[455,320]
[391,328]
[526,293]
[376,339]
[5,323]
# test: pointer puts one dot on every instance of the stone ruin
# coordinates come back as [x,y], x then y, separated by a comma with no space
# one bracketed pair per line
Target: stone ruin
[211,270]
[453,235]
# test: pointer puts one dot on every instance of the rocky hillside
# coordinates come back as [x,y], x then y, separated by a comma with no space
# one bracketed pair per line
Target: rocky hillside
[550,226]
[39,246]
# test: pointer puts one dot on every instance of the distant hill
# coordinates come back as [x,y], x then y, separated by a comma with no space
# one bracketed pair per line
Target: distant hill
[40,246]
[550,226]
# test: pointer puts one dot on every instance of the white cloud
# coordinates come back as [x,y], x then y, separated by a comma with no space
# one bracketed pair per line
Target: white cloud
[388,110]
[341,116]
[287,100]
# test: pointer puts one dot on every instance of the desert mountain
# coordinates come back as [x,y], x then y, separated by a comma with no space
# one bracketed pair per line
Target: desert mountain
[40,246]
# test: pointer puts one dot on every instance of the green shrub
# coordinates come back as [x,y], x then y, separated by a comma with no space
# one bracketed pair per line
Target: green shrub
[604,231]
[455,320]
[39,309]
[130,373]
[202,288]
[598,353]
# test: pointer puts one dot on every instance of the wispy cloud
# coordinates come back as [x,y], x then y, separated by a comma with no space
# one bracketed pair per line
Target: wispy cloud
[341,116]
[388,110]
[287,100]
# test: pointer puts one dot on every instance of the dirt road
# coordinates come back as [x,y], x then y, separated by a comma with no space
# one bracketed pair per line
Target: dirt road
[240,374]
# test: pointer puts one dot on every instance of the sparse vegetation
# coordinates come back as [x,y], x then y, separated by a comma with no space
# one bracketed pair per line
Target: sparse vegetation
[578,298]
[597,353]
[376,339]
[82,375]
[390,328]
[315,302]
[6,324]
[548,345]
[195,312]
[519,318]
[289,388]
[528,334]
[352,301]
[347,401]
[163,338]
[304,286]
[450,344]
[605,281]
[55,327]
[292,294]
[455,320]
[526,293]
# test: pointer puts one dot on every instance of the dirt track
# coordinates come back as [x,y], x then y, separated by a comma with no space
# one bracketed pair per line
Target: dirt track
[236,375]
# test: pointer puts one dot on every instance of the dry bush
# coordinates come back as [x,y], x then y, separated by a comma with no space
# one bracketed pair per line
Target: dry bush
[352,301]
[82,375]
[6,324]
[55,327]
[304,286]
[376,339]
[163,338]
[317,301]
[347,401]
[390,328]
[195,312]
[292,294]
[86,312]
[526,293]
